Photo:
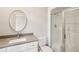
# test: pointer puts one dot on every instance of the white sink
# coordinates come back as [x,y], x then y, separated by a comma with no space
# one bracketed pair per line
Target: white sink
[18,40]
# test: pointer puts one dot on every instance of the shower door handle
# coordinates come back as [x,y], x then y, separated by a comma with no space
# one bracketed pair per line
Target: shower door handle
[64,36]
[55,25]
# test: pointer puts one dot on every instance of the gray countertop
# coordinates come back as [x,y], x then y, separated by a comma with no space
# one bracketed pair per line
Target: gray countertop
[5,42]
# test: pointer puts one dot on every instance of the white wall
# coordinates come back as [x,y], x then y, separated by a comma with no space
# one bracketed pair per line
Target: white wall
[37,20]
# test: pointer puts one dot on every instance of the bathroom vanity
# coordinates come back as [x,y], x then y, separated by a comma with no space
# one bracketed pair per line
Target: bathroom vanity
[18,42]
[25,43]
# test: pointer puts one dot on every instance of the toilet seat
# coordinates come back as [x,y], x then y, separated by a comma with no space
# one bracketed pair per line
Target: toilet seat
[46,49]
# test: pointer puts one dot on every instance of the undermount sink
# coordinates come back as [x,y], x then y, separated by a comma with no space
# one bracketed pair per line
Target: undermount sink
[17,40]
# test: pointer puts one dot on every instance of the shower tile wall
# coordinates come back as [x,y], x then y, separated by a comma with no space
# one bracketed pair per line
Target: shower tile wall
[72,30]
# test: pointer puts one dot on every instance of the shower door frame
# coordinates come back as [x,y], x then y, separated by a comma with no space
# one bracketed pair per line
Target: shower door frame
[63,27]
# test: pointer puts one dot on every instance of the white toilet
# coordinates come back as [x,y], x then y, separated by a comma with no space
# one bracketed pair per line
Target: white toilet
[43,47]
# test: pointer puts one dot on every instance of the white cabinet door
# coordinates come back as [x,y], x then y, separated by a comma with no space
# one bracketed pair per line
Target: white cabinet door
[23,47]
[32,45]
[3,50]
[33,50]
[16,48]
[30,50]
[13,49]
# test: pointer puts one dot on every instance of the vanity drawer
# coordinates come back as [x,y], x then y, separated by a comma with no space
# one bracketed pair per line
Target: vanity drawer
[16,48]
[30,50]
[3,49]
[32,45]
[22,47]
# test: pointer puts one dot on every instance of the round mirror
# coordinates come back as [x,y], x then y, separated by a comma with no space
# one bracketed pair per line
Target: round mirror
[17,20]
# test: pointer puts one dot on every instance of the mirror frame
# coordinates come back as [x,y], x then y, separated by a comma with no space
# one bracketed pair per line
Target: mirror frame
[10,22]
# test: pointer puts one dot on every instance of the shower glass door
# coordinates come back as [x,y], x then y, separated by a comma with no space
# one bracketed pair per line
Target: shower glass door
[56,31]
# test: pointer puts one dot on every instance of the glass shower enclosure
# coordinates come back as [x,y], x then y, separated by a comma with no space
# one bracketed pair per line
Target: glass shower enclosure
[65,29]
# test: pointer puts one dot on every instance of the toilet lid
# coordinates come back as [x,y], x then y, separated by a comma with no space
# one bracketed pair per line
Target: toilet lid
[46,49]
